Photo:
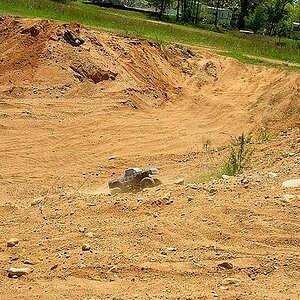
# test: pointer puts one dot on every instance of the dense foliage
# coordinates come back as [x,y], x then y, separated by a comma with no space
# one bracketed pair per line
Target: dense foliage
[273,17]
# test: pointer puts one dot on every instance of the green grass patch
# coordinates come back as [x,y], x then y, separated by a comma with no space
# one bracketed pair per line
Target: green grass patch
[142,25]
[238,157]
[264,135]
[205,177]
[247,60]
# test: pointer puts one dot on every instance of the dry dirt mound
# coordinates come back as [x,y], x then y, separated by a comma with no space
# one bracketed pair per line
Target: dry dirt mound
[38,62]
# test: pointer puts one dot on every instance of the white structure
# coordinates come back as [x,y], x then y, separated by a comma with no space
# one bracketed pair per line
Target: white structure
[171,12]
[296,27]
[224,15]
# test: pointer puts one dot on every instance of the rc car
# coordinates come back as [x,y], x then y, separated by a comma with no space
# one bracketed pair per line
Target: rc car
[134,179]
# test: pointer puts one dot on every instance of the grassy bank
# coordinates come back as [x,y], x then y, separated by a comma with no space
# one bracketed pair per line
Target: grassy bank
[139,24]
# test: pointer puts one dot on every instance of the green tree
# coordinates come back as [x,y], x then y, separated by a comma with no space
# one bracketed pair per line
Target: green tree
[161,6]
[294,10]
[257,19]
[277,12]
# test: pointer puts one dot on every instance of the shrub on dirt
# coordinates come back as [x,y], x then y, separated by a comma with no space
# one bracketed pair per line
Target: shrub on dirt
[240,154]
[264,135]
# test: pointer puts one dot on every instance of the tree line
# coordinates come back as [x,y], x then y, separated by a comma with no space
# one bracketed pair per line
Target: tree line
[272,17]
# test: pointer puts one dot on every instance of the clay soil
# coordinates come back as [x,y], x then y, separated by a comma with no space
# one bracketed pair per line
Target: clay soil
[71,118]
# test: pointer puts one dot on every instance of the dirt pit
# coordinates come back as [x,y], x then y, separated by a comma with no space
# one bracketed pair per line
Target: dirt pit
[65,111]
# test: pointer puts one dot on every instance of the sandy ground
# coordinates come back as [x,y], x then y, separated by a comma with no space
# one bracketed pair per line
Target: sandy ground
[65,111]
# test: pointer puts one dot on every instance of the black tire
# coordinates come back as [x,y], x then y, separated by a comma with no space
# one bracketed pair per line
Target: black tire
[147,183]
[115,191]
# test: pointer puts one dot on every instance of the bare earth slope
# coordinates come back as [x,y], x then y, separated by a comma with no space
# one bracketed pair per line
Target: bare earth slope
[64,111]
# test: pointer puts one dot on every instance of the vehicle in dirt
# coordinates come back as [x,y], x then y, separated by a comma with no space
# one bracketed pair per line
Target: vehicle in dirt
[134,179]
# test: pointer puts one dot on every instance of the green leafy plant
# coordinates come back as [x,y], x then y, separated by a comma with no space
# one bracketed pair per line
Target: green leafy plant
[264,135]
[240,154]
[162,44]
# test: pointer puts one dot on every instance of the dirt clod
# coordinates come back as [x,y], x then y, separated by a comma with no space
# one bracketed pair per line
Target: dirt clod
[86,247]
[12,242]
[17,272]
[225,265]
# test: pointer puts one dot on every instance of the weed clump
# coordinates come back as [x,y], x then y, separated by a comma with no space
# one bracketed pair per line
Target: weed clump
[240,154]
[264,135]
